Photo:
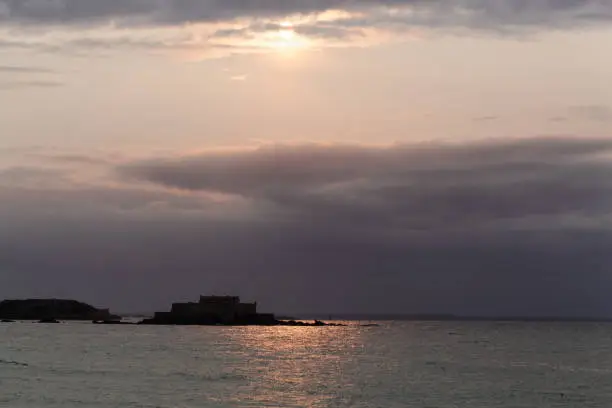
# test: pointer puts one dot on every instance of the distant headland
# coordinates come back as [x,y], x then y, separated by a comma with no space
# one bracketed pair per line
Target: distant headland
[51,310]
[209,310]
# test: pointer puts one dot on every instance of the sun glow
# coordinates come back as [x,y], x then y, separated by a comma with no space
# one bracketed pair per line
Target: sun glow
[285,38]
[286,35]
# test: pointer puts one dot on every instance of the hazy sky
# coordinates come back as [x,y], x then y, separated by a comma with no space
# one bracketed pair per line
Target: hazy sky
[315,155]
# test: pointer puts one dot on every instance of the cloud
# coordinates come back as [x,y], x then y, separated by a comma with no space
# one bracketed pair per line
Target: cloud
[72,158]
[418,187]
[16,85]
[10,71]
[15,69]
[489,227]
[88,41]
[598,113]
[486,118]
[557,119]
[243,25]
[172,11]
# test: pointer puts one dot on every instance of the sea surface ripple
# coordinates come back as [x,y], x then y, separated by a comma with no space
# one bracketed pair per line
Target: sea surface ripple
[399,364]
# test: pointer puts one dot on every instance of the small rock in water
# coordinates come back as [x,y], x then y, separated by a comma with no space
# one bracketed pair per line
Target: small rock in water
[48,321]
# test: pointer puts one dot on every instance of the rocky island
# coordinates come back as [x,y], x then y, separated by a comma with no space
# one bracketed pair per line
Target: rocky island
[51,310]
[221,310]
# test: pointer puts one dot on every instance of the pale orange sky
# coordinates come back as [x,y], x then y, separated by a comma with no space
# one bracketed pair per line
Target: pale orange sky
[173,86]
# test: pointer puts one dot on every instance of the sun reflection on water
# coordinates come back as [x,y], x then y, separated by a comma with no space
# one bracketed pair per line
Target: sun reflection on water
[301,365]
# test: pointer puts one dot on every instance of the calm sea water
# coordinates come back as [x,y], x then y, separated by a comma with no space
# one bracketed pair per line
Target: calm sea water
[396,365]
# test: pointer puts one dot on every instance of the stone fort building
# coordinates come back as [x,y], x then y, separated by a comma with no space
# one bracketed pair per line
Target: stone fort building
[214,310]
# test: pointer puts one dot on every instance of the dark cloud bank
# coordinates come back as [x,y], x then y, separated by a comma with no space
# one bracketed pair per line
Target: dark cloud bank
[428,12]
[493,227]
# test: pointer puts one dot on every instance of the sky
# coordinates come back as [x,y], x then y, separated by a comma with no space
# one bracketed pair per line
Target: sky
[391,156]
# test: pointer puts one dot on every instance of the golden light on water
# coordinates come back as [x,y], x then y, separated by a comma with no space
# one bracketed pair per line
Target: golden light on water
[295,360]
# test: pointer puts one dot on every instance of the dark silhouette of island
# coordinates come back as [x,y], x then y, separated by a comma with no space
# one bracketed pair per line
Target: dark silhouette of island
[51,310]
[229,311]
[222,310]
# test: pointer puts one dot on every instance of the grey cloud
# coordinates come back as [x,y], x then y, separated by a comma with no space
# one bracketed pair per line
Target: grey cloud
[473,13]
[486,118]
[63,197]
[312,30]
[557,119]
[329,31]
[28,175]
[11,83]
[423,186]
[599,113]
[16,85]
[68,158]
[489,227]
[75,11]
[497,17]
[86,45]
[291,270]
[15,69]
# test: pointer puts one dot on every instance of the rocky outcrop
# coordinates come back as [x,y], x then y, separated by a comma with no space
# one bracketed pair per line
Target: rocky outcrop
[47,321]
[221,311]
[51,309]
[302,323]
[171,319]
[112,322]
[255,321]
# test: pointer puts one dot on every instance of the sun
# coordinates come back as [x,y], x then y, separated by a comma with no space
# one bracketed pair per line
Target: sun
[287,35]
[285,38]
[289,40]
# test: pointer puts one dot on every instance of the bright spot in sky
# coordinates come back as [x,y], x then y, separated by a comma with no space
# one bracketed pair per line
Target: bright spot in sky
[287,39]
[287,35]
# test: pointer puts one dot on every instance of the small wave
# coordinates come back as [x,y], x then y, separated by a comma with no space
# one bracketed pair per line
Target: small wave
[211,377]
[234,377]
[15,363]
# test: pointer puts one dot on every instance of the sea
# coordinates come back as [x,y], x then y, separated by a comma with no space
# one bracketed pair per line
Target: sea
[398,364]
